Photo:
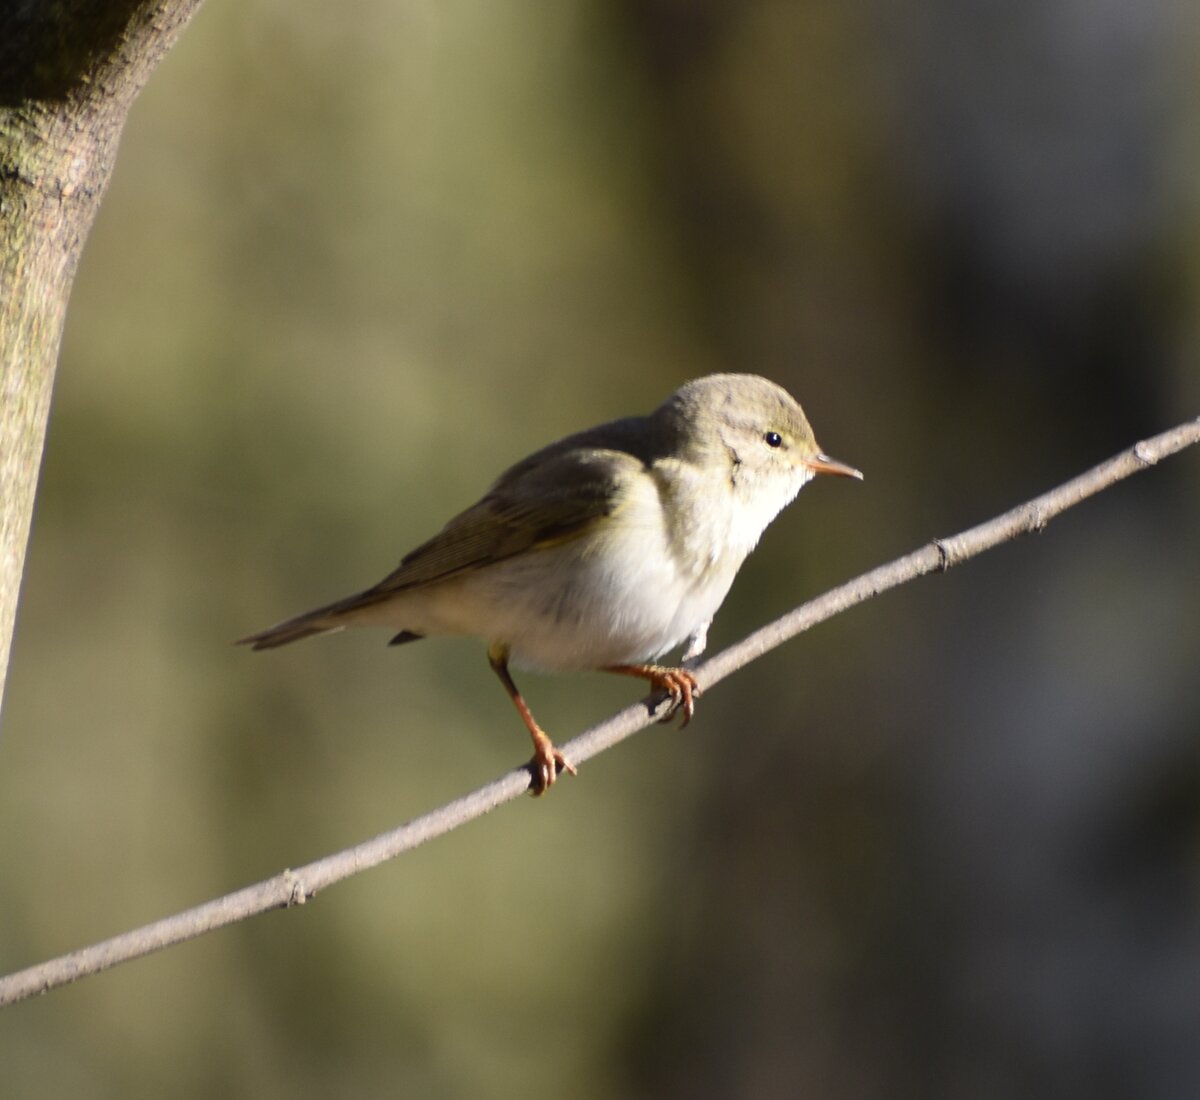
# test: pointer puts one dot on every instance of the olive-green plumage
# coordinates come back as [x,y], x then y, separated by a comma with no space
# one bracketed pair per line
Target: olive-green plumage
[606,549]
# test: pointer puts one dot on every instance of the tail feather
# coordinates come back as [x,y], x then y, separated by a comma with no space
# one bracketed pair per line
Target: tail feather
[404,637]
[321,621]
[285,633]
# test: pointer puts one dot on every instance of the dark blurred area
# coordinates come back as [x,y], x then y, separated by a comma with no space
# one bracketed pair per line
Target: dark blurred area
[351,266]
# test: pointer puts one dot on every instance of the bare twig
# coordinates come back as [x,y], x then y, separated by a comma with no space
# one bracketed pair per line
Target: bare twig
[296,887]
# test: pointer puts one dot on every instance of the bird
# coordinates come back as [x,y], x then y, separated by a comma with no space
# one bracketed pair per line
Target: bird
[603,551]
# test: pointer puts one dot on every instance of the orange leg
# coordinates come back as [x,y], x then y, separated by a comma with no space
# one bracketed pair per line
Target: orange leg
[678,683]
[547,761]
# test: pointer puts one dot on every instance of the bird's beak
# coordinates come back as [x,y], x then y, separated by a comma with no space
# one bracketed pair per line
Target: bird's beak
[823,464]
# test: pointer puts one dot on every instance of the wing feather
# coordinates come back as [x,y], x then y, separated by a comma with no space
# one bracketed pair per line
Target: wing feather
[533,504]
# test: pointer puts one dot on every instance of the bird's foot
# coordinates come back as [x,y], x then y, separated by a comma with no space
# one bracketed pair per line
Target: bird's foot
[547,762]
[679,684]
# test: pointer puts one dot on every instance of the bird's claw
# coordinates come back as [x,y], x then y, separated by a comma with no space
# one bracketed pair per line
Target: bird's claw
[547,762]
[682,690]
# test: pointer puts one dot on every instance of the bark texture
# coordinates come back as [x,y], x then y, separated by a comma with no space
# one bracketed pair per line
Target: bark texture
[69,72]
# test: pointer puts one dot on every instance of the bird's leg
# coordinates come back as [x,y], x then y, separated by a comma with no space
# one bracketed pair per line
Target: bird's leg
[547,760]
[678,683]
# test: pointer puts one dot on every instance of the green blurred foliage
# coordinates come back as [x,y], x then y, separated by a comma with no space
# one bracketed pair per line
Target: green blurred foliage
[357,260]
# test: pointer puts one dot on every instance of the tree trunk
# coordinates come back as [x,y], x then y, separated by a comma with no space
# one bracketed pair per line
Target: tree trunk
[69,72]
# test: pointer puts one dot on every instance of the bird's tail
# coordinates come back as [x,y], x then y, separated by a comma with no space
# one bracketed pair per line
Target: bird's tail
[291,631]
[321,621]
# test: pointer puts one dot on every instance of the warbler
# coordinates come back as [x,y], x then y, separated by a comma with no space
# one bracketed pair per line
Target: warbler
[605,550]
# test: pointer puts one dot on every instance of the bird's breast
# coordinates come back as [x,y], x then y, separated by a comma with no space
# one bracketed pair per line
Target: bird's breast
[631,587]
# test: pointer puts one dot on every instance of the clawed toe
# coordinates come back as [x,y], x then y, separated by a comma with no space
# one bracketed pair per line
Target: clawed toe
[547,762]
[680,685]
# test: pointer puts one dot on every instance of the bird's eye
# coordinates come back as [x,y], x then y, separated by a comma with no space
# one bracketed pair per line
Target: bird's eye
[773,439]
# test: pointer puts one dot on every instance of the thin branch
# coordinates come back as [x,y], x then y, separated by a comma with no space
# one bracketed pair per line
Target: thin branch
[296,887]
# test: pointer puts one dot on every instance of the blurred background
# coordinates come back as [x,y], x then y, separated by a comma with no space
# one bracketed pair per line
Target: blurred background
[354,262]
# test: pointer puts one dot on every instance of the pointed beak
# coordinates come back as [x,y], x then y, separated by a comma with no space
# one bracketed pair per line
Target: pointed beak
[823,464]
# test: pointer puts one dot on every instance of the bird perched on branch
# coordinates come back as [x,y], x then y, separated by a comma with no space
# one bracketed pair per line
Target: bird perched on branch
[604,550]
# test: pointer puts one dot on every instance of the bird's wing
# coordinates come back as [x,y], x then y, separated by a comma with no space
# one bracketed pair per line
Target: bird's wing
[536,503]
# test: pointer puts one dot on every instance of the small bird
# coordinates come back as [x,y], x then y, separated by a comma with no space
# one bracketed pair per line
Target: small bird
[604,550]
